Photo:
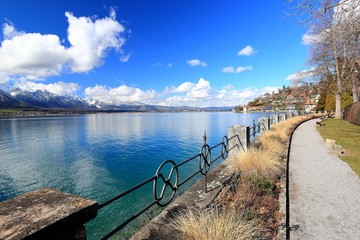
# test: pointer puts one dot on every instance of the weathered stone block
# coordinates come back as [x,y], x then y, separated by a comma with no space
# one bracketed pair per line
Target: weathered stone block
[274,120]
[333,147]
[240,135]
[46,214]
[282,117]
[264,124]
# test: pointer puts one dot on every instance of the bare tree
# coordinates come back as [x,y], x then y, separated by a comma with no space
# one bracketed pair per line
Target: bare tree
[334,27]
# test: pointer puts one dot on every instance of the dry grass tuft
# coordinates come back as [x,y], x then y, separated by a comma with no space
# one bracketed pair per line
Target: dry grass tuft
[214,225]
[284,129]
[280,132]
[271,144]
[256,161]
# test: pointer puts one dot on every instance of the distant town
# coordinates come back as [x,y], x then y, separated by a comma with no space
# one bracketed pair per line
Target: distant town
[304,97]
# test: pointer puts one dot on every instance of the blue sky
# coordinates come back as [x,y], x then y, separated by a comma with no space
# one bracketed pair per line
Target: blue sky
[167,52]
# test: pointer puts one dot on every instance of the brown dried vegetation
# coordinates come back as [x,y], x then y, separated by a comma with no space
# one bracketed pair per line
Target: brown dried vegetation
[250,204]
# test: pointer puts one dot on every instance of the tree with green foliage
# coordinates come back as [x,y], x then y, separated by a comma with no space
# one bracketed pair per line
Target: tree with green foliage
[320,106]
[346,100]
[330,103]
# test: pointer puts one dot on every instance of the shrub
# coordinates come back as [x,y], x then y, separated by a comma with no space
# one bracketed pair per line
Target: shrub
[255,198]
[261,185]
[352,113]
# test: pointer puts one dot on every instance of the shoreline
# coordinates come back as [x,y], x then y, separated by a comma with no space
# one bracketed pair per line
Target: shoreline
[7,113]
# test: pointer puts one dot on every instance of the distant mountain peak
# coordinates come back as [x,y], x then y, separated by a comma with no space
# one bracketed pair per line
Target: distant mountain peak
[43,99]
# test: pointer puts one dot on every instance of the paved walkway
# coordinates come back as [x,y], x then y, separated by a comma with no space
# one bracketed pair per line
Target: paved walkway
[324,191]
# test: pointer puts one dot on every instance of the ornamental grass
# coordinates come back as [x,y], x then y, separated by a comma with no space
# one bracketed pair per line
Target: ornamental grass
[214,225]
[270,143]
[256,162]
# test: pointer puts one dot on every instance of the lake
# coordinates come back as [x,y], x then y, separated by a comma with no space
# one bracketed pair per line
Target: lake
[100,155]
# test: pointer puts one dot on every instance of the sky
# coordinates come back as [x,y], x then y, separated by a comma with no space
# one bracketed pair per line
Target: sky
[164,52]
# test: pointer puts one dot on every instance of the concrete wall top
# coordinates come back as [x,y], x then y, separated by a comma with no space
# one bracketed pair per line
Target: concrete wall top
[33,212]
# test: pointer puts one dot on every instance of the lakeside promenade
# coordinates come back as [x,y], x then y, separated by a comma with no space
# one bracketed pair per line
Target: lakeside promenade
[324,191]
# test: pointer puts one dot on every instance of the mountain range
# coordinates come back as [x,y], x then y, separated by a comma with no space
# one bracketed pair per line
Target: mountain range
[44,100]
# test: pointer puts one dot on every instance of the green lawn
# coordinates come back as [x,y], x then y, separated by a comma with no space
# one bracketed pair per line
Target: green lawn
[348,136]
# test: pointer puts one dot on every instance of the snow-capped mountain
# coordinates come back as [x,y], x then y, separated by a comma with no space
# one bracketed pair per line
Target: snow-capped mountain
[7,101]
[45,99]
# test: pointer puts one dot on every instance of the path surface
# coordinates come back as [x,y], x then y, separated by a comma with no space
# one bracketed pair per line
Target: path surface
[324,191]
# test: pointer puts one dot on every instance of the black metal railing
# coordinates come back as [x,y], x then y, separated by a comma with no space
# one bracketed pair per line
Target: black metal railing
[162,182]
[255,130]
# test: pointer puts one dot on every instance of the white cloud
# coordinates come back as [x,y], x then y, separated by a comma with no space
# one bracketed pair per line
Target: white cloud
[9,31]
[122,93]
[90,40]
[37,56]
[184,87]
[196,62]
[247,51]
[240,69]
[31,54]
[200,90]
[59,88]
[294,76]
[191,90]
[308,39]
[195,94]
[301,75]
[201,94]
[125,58]
[228,87]
[228,69]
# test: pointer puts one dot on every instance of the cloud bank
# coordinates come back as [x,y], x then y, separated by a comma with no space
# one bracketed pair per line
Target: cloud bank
[195,94]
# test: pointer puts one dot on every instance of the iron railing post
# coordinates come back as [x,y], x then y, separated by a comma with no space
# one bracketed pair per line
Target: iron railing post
[247,137]
[205,163]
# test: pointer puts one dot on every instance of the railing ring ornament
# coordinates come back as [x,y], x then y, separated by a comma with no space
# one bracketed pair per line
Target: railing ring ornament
[205,159]
[225,147]
[167,182]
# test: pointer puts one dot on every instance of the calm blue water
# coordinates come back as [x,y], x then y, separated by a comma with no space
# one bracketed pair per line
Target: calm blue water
[100,155]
